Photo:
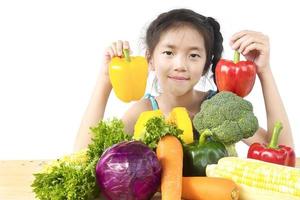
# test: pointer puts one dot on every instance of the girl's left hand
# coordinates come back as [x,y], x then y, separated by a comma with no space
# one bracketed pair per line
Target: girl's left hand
[254,46]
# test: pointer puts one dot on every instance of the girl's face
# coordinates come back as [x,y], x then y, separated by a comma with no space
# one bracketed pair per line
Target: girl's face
[179,59]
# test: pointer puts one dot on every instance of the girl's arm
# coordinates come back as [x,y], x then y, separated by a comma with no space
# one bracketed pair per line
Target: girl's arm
[96,107]
[255,47]
[94,112]
[274,108]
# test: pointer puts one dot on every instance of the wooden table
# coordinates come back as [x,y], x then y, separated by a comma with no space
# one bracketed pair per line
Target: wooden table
[16,178]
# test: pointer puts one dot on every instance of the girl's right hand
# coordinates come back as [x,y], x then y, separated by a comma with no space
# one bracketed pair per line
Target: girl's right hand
[115,49]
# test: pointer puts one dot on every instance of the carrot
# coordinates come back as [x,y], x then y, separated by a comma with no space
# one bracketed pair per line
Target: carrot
[170,155]
[209,188]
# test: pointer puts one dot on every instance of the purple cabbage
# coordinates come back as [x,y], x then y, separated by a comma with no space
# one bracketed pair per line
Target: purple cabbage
[128,171]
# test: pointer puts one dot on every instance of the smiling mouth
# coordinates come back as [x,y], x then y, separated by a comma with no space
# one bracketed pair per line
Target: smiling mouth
[179,78]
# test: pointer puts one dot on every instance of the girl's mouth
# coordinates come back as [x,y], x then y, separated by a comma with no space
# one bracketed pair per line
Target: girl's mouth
[179,78]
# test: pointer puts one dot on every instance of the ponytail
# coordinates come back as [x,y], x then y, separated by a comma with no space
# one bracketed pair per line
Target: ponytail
[217,47]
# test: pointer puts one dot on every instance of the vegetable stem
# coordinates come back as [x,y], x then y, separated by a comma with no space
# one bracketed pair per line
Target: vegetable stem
[231,150]
[275,135]
[206,133]
[236,57]
[126,55]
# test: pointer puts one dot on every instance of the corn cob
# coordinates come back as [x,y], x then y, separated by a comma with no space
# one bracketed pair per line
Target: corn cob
[75,158]
[180,117]
[253,193]
[139,128]
[258,178]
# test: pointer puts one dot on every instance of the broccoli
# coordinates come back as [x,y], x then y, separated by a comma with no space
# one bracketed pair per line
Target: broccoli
[229,117]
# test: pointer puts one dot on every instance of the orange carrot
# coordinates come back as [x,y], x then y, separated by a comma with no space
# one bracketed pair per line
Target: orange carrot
[209,188]
[170,155]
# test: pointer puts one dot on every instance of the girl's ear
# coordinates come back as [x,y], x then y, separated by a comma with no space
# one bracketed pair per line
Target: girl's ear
[150,65]
[150,60]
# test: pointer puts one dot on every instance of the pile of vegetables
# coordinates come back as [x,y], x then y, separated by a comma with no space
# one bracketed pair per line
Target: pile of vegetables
[229,117]
[159,157]
[128,169]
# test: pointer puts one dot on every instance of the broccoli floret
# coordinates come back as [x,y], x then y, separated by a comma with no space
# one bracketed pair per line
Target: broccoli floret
[228,132]
[228,116]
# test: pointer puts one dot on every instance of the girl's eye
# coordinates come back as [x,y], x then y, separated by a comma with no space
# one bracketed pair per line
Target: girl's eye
[194,55]
[168,53]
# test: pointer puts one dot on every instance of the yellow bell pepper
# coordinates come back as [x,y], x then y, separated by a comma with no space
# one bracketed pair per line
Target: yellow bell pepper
[139,128]
[180,117]
[128,76]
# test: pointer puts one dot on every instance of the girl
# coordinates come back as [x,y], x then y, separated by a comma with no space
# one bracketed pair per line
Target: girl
[181,47]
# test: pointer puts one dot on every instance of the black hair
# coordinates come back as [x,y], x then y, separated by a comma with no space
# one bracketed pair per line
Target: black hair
[208,27]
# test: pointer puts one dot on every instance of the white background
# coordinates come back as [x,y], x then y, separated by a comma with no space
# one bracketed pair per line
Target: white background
[51,51]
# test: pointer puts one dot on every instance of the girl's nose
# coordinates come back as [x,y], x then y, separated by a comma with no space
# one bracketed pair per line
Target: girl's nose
[181,64]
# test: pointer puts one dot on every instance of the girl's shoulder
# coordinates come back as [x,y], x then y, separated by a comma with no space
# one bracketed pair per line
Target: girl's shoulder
[143,104]
[202,96]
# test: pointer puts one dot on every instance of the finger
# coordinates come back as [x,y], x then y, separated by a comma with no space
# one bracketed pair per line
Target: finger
[237,36]
[242,36]
[236,45]
[265,40]
[254,46]
[109,52]
[120,48]
[259,37]
[126,45]
[245,43]
[114,48]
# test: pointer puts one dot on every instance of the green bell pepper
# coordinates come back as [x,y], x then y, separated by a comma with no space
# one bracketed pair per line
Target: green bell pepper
[198,155]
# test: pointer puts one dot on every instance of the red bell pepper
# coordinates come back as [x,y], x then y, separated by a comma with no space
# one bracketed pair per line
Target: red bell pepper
[235,76]
[274,153]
